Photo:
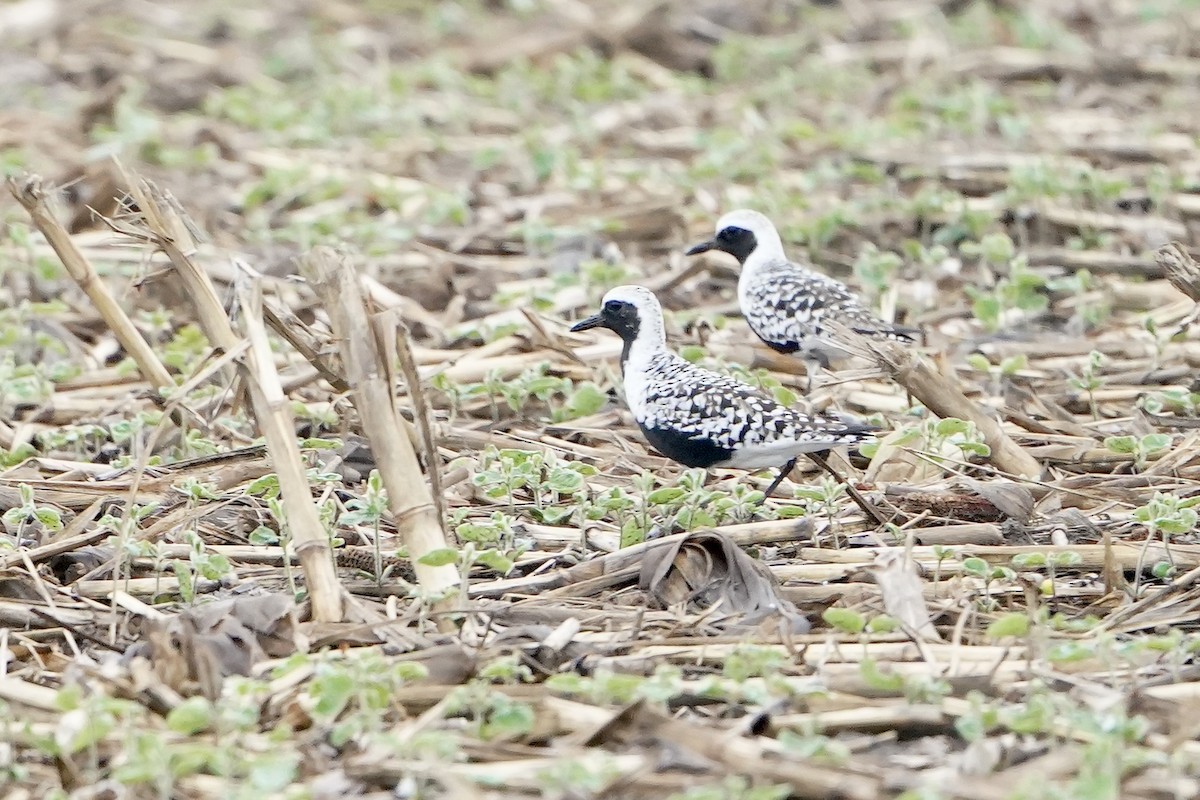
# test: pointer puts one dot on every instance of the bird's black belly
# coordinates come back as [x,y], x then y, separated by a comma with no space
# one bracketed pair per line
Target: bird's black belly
[787,348]
[689,452]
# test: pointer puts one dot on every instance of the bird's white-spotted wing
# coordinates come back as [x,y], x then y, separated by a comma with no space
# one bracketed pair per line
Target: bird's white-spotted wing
[786,305]
[757,430]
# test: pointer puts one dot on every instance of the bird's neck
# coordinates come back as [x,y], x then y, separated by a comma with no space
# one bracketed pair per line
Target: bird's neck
[755,269]
[768,252]
[641,348]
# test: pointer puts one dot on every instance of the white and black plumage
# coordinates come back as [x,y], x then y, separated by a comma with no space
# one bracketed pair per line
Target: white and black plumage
[701,418]
[789,305]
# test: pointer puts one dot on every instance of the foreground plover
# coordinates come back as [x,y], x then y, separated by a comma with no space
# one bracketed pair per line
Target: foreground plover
[704,419]
[789,305]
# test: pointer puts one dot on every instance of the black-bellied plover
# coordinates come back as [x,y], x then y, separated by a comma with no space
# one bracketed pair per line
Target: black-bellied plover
[701,418]
[789,305]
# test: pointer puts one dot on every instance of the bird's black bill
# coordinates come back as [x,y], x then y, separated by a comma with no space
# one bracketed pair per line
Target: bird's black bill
[703,247]
[594,321]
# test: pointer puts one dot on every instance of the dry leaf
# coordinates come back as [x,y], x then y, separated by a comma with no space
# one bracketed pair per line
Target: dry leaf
[1012,499]
[708,571]
[205,644]
[71,566]
[900,586]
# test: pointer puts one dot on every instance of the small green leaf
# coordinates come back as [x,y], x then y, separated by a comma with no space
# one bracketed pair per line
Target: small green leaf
[632,533]
[784,396]
[1029,560]
[1183,521]
[565,481]
[495,560]
[987,310]
[1015,624]
[440,557]
[566,683]
[552,515]
[979,362]
[976,566]
[213,566]
[950,426]
[273,770]
[1066,558]
[1163,569]
[1068,651]
[997,248]
[586,400]
[511,720]
[191,716]
[314,443]
[969,727]
[50,518]
[1121,444]
[263,536]
[1003,574]
[877,679]
[1153,442]
[183,573]
[1014,364]
[664,496]
[333,691]
[844,619]
[267,483]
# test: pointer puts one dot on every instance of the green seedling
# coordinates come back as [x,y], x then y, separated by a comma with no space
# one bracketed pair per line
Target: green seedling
[1141,447]
[1176,401]
[1007,368]
[938,440]
[369,510]
[1089,379]
[1166,515]
[21,518]
[989,574]
[1051,562]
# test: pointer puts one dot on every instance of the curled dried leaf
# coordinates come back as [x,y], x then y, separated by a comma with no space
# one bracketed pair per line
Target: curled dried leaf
[204,645]
[706,571]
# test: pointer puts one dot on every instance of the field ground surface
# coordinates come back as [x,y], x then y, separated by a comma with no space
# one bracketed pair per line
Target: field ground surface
[224,574]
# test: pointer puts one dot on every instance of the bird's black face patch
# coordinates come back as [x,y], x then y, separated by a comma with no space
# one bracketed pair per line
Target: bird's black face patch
[738,242]
[621,318]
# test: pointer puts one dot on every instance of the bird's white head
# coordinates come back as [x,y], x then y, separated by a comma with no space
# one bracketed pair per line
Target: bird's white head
[633,313]
[746,235]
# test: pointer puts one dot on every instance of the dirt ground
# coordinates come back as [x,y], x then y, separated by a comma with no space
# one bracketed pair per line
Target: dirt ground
[204,592]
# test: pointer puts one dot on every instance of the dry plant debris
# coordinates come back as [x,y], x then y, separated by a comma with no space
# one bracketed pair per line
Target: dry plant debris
[388,532]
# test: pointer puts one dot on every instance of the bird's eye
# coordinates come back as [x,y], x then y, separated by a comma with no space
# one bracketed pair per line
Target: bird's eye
[725,234]
[613,307]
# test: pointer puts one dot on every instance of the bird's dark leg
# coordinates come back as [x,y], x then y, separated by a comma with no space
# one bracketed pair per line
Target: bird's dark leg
[784,471]
[868,509]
